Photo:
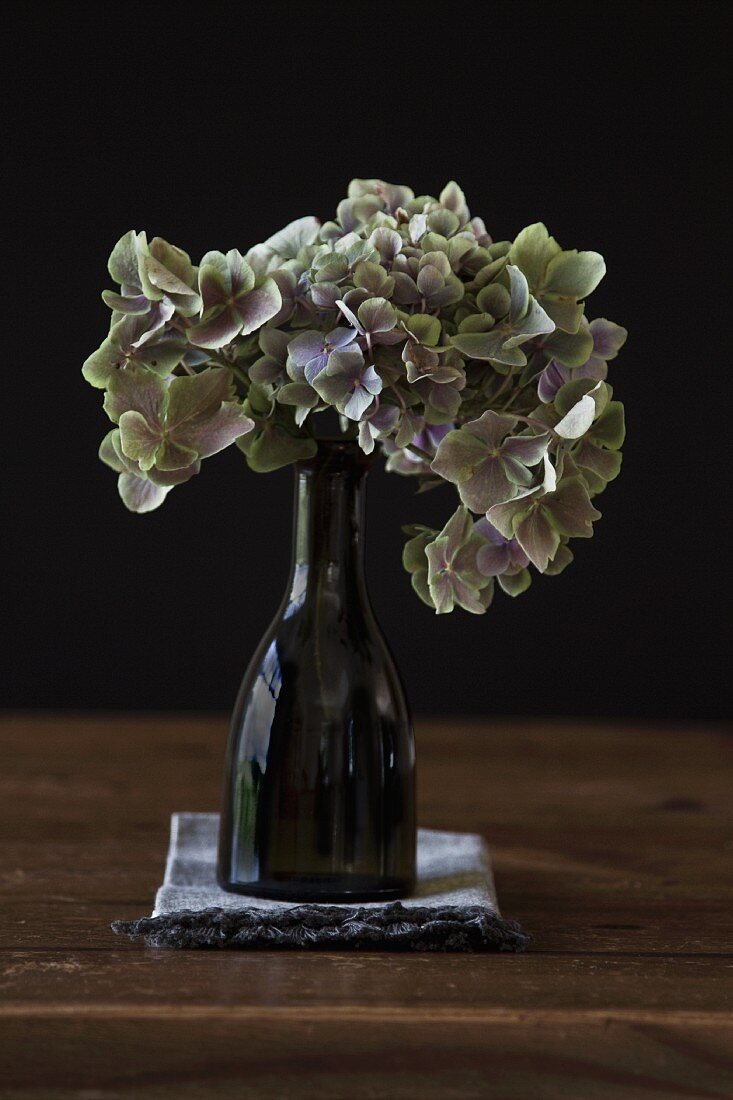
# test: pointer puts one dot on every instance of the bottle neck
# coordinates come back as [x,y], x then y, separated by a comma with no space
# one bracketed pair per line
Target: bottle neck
[329,521]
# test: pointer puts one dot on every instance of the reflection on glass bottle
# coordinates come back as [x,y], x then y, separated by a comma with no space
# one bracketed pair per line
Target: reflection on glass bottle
[319,799]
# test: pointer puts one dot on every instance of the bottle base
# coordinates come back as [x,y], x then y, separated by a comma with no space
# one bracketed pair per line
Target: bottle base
[323,888]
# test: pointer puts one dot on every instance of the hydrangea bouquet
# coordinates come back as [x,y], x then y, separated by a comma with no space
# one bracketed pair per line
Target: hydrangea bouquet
[466,360]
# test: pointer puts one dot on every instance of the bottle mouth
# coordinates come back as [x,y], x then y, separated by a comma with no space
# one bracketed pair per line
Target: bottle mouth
[337,454]
[336,443]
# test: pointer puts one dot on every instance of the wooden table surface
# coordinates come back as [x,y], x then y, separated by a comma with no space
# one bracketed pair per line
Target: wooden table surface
[612,845]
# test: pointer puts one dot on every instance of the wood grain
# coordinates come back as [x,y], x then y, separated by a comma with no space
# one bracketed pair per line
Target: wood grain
[611,845]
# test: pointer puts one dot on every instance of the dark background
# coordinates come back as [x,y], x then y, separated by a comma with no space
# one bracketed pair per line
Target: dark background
[214,127]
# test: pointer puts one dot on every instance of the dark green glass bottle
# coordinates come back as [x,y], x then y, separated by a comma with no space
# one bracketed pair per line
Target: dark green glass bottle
[319,800]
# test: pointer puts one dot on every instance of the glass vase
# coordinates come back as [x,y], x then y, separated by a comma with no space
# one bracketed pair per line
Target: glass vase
[319,797]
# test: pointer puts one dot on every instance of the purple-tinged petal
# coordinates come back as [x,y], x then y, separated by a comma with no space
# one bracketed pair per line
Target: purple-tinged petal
[596,368]
[240,273]
[283,245]
[486,529]
[528,449]
[479,232]
[218,261]
[216,329]
[314,367]
[172,455]
[421,362]
[518,558]
[357,404]
[214,286]
[493,560]
[340,337]
[325,295]
[453,198]
[395,336]
[431,435]
[387,242]
[286,284]
[492,428]
[140,495]
[466,596]
[258,306]
[307,346]
[160,313]
[405,289]
[538,538]
[371,381]
[489,485]
[124,303]
[429,281]
[212,434]
[456,532]
[169,478]
[385,418]
[135,390]
[503,515]
[608,338]
[552,378]
[572,512]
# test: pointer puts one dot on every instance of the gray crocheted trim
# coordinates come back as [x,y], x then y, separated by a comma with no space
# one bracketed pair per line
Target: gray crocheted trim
[390,928]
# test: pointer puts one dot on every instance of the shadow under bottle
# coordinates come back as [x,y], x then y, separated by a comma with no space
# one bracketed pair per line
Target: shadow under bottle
[319,799]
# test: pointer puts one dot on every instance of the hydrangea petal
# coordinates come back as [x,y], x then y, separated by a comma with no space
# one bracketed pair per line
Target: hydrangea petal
[140,440]
[140,495]
[571,509]
[493,560]
[552,378]
[537,537]
[575,274]
[377,315]
[137,390]
[371,381]
[532,251]
[387,242]
[516,583]
[214,287]
[283,245]
[528,449]
[357,404]
[489,485]
[608,338]
[578,420]
[306,346]
[216,329]
[258,306]
[165,280]
[123,261]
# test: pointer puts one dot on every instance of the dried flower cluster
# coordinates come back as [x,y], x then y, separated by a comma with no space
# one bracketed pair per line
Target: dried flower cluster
[466,360]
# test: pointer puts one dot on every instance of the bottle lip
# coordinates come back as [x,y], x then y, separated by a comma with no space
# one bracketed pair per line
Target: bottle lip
[337,454]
